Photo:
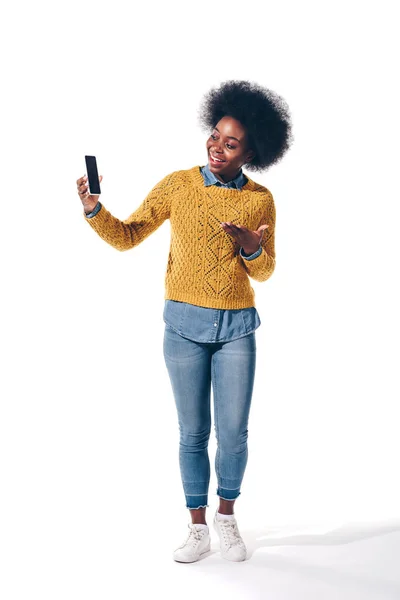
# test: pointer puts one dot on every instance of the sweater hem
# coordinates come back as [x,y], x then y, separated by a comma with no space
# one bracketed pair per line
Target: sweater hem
[207,302]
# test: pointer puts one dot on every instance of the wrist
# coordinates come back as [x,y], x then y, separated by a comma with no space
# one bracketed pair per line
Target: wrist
[250,250]
[89,209]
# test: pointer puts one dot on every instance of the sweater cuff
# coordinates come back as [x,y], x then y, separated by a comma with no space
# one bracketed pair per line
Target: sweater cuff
[94,211]
[251,256]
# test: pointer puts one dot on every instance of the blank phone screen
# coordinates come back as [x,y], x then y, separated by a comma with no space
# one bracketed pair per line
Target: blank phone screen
[93,176]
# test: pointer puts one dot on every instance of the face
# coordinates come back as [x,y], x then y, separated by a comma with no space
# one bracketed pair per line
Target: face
[228,142]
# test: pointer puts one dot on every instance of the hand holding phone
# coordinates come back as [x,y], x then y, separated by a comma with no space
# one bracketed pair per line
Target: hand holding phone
[89,201]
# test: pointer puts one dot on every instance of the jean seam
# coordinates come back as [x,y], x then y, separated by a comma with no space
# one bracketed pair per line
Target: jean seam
[214,372]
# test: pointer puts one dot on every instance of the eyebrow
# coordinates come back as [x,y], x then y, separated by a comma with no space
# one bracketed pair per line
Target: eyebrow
[228,136]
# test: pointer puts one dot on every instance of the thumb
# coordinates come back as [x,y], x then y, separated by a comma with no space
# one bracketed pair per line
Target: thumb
[263,227]
[100,177]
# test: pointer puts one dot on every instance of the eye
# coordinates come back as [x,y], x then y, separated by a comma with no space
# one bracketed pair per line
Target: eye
[214,137]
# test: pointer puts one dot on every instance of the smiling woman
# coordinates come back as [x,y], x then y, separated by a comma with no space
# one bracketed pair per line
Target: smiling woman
[222,235]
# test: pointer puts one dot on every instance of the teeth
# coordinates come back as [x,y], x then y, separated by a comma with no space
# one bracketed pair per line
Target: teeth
[217,159]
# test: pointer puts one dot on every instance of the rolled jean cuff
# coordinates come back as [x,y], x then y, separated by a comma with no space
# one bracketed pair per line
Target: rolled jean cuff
[227,494]
[194,502]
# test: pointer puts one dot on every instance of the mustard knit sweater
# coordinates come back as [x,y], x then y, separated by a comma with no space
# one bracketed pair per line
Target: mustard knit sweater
[204,265]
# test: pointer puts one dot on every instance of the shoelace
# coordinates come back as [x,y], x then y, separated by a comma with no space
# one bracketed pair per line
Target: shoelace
[231,533]
[195,534]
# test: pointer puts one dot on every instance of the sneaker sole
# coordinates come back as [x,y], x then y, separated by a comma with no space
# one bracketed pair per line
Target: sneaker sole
[194,559]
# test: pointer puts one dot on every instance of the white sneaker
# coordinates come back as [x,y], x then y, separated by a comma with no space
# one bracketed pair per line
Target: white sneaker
[232,545]
[196,544]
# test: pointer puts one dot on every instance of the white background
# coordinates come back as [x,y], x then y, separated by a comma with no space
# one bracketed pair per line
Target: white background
[91,499]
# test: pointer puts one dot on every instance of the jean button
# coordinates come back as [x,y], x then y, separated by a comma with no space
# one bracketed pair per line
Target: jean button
[215,324]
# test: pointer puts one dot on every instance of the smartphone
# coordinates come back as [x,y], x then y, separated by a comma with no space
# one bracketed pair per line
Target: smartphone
[93,176]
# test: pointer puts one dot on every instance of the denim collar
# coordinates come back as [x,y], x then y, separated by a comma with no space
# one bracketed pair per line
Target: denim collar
[210,179]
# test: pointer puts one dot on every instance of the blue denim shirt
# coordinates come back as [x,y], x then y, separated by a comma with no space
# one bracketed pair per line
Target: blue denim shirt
[202,324]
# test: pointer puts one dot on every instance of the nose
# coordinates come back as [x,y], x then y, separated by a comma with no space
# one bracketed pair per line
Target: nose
[217,149]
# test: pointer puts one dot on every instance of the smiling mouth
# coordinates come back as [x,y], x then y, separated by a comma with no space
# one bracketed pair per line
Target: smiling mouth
[216,161]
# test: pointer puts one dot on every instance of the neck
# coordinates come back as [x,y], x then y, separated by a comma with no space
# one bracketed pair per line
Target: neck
[197,178]
[227,177]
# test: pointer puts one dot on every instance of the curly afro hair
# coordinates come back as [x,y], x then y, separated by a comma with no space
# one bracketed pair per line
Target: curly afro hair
[264,114]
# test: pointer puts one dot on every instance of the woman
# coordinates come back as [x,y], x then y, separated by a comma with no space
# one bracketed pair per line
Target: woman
[222,234]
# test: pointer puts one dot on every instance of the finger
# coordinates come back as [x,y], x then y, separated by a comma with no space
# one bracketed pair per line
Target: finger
[238,231]
[80,180]
[232,227]
[229,230]
[82,187]
[240,228]
[233,235]
[83,191]
[230,224]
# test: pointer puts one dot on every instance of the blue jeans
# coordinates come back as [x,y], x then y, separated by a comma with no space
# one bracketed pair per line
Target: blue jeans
[230,368]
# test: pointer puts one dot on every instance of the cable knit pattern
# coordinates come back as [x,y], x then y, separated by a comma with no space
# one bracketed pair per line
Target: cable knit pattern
[204,266]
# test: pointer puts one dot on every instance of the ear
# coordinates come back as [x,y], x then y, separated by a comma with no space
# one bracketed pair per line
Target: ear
[250,155]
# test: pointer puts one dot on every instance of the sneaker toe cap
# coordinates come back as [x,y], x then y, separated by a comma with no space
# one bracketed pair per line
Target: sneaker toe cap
[236,553]
[182,555]
[185,554]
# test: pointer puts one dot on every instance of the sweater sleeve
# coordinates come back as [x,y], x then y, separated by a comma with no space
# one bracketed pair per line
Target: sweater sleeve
[262,267]
[124,235]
